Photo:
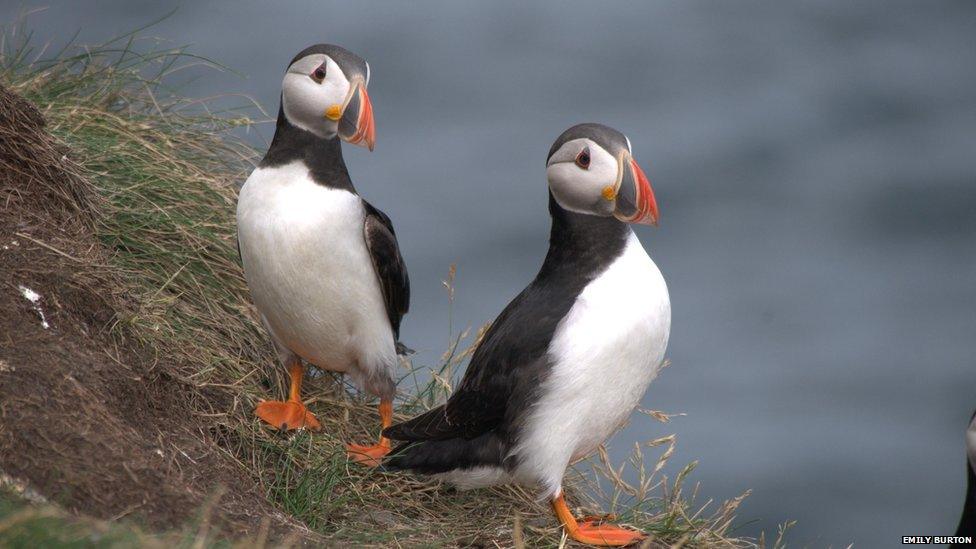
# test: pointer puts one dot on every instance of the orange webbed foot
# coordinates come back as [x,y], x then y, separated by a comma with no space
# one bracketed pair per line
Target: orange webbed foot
[287,415]
[605,535]
[368,456]
[593,532]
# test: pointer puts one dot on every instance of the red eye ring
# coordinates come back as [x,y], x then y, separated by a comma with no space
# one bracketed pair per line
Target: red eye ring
[583,158]
[318,74]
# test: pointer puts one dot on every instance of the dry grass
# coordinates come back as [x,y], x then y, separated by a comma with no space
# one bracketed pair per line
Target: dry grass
[166,171]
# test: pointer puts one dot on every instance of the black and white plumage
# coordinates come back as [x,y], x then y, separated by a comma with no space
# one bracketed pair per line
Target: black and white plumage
[323,265]
[568,360]
[967,522]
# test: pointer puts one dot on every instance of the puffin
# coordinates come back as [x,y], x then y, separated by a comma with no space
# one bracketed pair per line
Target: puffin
[567,361]
[967,522]
[323,265]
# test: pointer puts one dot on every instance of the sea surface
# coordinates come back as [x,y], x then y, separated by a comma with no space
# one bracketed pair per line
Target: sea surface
[815,167]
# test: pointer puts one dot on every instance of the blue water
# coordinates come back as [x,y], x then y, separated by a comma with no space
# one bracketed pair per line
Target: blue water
[815,166]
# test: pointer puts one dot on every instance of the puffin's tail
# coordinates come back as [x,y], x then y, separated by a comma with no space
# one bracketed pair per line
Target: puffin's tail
[440,456]
[403,350]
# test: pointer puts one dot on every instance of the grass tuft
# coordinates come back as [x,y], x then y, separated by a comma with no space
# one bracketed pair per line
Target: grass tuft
[166,170]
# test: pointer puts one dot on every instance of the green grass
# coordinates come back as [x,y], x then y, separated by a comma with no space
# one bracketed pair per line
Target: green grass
[306,492]
[30,525]
[166,171]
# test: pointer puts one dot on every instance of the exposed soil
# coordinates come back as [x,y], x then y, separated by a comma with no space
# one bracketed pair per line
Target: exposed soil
[88,418]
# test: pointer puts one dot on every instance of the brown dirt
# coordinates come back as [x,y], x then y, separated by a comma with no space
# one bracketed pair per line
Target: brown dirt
[91,420]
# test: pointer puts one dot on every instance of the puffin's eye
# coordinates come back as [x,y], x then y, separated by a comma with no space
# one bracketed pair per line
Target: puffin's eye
[583,158]
[318,74]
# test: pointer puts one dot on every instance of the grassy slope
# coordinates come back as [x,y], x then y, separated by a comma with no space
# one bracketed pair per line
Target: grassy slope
[167,170]
[38,524]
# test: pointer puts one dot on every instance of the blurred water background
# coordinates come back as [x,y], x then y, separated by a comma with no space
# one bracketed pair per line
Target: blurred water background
[815,166]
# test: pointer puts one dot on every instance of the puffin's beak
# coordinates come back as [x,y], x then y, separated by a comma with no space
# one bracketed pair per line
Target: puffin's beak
[635,201]
[356,125]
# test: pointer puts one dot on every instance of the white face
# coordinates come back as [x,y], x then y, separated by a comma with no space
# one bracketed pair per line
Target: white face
[307,99]
[971,444]
[583,177]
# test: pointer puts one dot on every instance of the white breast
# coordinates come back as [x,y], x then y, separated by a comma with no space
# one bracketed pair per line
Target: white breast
[605,352]
[309,271]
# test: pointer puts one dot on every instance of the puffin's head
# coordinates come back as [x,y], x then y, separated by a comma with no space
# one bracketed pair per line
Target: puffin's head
[324,92]
[591,170]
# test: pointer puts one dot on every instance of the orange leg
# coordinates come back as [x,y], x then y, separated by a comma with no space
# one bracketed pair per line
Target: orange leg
[593,532]
[369,456]
[290,414]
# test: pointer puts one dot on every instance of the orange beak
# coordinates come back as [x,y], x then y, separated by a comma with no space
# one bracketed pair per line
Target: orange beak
[356,125]
[635,202]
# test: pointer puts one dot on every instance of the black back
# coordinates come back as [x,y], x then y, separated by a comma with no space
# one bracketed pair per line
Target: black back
[390,269]
[480,421]
[967,522]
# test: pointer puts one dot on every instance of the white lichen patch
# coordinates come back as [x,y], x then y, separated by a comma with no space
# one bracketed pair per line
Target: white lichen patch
[31,295]
[21,488]
[35,299]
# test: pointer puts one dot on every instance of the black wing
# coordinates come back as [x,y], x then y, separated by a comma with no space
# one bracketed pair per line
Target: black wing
[388,264]
[512,360]
[504,372]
